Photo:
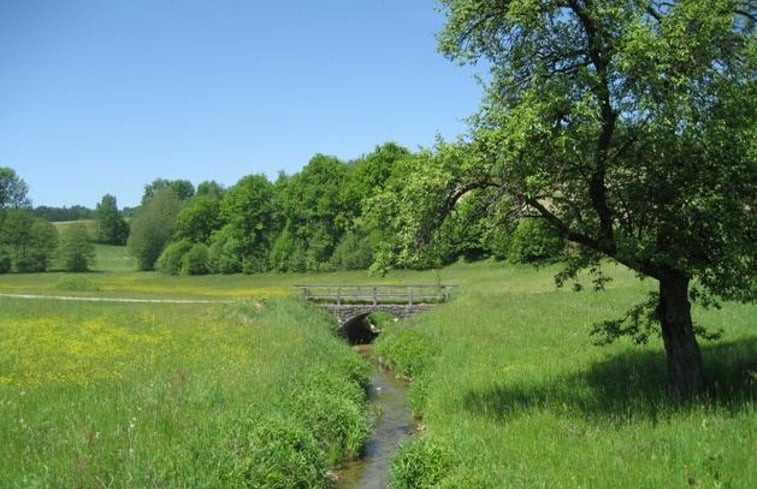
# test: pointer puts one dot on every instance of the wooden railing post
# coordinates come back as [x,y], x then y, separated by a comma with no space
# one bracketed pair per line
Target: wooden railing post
[375,296]
[410,297]
[338,296]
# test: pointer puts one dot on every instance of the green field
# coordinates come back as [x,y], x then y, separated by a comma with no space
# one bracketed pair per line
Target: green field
[511,391]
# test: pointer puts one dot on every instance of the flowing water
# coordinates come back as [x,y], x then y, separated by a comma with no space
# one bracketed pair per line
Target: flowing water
[393,425]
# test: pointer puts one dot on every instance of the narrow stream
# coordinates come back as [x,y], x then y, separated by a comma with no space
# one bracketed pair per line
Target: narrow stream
[394,425]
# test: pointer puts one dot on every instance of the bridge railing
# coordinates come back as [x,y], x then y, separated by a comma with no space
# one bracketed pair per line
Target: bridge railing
[377,294]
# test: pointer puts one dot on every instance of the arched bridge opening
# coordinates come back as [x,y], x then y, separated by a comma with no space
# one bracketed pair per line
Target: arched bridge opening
[359,330]
[352,305]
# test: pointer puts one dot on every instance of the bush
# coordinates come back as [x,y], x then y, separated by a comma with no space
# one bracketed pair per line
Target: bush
[171,261]
[195,261]
[534,240]
[223,255]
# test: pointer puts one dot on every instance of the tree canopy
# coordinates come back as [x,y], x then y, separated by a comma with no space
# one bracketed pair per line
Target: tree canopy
[629,126]
[13,189]
[111,227]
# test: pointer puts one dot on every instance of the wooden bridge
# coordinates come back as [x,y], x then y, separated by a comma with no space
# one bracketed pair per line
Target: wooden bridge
[351,304]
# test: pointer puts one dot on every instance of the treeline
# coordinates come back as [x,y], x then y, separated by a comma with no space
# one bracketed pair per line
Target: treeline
[61,214]
[332,215]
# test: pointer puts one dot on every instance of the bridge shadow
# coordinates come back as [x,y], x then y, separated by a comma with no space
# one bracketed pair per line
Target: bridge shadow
[359,330]
[627,387]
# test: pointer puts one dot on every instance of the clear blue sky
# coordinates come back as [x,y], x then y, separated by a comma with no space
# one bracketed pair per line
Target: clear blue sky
[103,96]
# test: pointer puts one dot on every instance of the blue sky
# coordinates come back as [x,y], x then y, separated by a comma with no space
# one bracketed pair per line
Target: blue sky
[103,96]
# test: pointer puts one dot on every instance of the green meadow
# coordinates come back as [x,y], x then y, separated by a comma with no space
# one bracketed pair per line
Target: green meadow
[512,392]
[508,387]
[254,394]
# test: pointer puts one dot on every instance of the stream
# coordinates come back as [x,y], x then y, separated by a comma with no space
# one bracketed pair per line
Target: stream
[393,425]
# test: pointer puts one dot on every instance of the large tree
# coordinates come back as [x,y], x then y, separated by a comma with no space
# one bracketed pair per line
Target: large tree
[629,126]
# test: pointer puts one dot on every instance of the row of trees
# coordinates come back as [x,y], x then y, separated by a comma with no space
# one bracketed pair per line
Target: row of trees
[30,243]
[330,215]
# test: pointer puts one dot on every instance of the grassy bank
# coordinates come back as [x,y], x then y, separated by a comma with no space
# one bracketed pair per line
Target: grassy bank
[513,393]
[125,395]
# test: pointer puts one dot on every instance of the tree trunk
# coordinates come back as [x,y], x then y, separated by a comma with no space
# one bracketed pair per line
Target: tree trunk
[685,372]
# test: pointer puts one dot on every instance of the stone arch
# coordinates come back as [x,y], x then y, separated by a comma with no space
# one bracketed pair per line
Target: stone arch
[358,330]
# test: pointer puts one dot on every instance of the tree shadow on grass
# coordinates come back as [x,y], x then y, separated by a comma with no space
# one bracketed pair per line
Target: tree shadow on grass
[628,386]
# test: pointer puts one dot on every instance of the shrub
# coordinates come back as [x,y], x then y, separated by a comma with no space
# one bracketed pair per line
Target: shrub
[223,255]
[534,240]
[195,261]
[171,260]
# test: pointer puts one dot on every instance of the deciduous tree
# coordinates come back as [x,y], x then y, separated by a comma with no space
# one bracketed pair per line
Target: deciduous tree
[13,189]
[630,127]
[76,250]
[153,227]
[111,227]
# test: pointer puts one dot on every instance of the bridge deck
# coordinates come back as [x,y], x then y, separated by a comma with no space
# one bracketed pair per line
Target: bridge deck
[377,294]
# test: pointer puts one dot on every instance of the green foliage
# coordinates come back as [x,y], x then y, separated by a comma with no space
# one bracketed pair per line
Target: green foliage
[251,222]
[628,127]
[199,219]
[353,252]
[315,211]
[534,241]
[29,240]
[420,464]
[153,227]
[111,227]
[171,260]
[195,261]
[5,261]
[76,251]
[13,189]
[223,253]
[287,255]
[62,214]
[210,189]
[183,189]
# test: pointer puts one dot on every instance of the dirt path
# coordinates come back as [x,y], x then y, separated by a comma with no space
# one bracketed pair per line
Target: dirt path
[118,299]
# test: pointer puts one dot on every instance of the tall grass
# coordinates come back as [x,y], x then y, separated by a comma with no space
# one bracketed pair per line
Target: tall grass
[136,396]
[513,393]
